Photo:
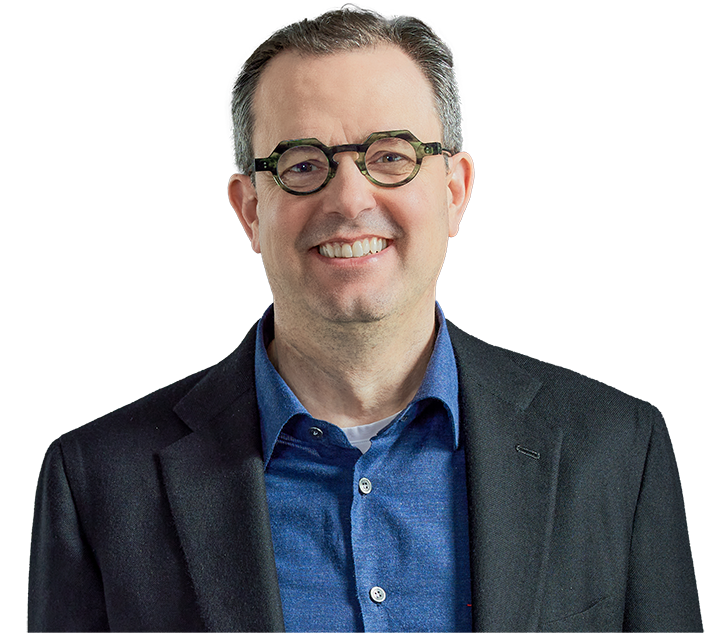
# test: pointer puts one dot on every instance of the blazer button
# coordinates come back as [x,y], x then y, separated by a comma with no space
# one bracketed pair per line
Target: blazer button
[377,594]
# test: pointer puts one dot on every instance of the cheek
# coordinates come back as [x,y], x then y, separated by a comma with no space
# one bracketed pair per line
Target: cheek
[279,227]
[426,217]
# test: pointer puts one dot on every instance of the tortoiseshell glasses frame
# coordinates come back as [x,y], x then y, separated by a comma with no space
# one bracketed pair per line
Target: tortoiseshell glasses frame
[422,150]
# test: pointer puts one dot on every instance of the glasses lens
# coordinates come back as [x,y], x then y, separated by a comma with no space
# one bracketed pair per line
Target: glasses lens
[390,160]
[303,168]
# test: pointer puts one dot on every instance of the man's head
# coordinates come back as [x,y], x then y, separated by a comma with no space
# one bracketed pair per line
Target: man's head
[342,95]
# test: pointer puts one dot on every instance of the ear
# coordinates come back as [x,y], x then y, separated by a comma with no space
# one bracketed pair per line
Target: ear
[244,200]
[459,181]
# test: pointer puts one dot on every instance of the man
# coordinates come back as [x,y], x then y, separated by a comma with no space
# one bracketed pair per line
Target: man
[359,463]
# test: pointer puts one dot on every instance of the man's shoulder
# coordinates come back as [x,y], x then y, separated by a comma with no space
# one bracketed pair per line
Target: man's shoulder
[161,417]
[570,398]
[150,420]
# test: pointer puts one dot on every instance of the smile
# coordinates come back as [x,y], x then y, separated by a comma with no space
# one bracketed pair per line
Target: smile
[359,248]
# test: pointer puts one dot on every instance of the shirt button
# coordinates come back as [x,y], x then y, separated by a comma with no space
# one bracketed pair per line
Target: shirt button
[377,594]
[364,485]
[316,432]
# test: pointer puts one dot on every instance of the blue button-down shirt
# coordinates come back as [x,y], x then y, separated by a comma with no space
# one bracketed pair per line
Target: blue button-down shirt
[375,541]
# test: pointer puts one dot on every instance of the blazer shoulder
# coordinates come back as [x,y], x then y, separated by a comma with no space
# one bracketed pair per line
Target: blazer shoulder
[120,450]
[585,402]
[571,398]
[149,421]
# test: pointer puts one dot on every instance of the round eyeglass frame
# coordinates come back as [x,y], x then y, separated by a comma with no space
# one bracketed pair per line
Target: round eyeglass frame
[270,163]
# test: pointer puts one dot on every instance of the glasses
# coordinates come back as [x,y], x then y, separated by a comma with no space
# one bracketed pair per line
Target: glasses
[387,159]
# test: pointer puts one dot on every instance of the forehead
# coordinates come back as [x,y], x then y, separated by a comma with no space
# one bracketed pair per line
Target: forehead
[342,98]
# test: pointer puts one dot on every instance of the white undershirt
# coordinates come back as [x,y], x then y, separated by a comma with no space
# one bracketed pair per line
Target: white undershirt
[361,436]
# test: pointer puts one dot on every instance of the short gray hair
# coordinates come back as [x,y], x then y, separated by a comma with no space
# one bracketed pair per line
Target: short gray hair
[343,30]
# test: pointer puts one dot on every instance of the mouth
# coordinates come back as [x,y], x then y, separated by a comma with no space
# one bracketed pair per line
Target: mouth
[357,250]
[354,262]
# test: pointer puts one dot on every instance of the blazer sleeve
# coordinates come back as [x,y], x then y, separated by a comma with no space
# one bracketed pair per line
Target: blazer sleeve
[661,592]
[66,589]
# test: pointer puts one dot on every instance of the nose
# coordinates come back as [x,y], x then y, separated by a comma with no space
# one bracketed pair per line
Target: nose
[349,192]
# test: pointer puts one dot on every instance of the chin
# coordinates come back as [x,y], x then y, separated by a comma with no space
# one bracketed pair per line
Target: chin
[356,310]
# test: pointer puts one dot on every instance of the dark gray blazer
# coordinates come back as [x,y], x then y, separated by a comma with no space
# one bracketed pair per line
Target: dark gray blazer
[154,517]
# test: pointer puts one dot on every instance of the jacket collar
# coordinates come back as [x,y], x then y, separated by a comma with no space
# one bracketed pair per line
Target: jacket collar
[214,475]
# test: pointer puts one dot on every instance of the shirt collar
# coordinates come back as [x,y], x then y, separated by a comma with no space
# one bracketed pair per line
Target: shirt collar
[277,404]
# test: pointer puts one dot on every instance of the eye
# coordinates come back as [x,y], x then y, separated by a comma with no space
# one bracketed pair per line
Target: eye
[303,168]
[387,158]
[306,167]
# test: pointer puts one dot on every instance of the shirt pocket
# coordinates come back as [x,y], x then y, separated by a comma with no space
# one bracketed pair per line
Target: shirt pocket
[599,618]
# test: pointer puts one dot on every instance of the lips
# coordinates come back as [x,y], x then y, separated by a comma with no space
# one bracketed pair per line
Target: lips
[350,240]
[348,250]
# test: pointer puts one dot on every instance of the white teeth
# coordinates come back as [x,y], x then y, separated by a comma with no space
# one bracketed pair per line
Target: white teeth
[358,249]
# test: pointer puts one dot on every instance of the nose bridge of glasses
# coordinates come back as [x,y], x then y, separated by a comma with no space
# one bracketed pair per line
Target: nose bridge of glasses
[358,150]
[340,149]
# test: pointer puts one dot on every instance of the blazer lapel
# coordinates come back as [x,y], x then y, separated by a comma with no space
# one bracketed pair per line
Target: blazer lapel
[512,455]
[215,485]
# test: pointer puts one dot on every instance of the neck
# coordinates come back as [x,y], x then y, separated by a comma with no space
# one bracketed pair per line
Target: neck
[352,374]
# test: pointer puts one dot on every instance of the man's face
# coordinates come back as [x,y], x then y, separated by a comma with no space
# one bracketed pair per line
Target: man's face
[338,99]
